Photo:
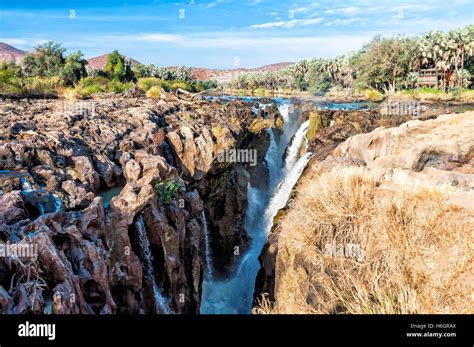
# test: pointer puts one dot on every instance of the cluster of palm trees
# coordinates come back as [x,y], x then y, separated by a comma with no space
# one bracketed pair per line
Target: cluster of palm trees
[181,73]
[451,53]
[303,75]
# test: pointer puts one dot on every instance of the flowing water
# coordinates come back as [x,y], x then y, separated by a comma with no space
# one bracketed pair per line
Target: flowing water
[207,248]
[294,150]
[43,200]
[235,294]
[161,304]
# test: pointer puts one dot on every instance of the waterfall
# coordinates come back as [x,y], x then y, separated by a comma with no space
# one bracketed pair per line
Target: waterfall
[25,185]
[235,294]
[207,247]
[161,304]
[47,200]
[283,192]
[294,149]
[58,204]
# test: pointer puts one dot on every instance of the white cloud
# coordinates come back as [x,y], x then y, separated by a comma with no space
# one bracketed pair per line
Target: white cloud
[23,42]
[346,21]
[288,24]
[345,43]
[213,4]
[304,9]
[343,10]
[13,41]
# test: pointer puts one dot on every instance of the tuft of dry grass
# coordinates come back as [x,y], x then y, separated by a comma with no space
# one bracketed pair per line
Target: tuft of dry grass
[365,246]
[154,92]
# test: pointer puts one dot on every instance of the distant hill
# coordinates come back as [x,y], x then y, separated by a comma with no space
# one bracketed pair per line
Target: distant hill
[98,63]
[202,74]
[10,54]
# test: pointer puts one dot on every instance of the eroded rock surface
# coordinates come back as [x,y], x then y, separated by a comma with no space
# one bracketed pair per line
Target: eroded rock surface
[159,157]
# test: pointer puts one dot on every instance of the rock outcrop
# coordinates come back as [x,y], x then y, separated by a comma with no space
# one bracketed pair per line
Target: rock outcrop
[153,160]
[385,223]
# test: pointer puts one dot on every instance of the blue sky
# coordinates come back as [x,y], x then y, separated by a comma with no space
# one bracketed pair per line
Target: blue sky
[222,33]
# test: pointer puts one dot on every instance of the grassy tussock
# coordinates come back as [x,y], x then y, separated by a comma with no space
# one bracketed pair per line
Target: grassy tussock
[417,253]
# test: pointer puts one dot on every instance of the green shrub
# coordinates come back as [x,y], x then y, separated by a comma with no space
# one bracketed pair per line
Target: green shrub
[38,86]
[116,86]
[167,191]
[147,83]
[10,79]
[91,85]
[98,84]
[174,85]
[211,84]
[94,81]
[259,91]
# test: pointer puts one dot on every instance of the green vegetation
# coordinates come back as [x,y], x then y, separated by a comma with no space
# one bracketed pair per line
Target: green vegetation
[74,69]
[14,82]
[146,83]
[180,73]
[117,68]
[46,60]
[385,65]
[100,84]
[47,72]
[167,191]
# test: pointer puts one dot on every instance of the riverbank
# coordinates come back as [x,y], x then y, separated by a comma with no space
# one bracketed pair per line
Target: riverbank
[428,95]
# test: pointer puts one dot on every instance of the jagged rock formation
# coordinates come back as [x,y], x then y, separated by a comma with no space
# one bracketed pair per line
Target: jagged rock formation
[60,164]
[385,224]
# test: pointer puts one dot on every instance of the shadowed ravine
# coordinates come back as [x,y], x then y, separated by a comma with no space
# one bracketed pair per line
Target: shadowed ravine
[235,294]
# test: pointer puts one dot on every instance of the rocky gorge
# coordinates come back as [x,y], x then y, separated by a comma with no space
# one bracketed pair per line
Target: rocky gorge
[129,206]
[122,199]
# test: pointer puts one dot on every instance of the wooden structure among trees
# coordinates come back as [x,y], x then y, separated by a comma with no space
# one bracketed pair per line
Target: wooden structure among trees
[428,78]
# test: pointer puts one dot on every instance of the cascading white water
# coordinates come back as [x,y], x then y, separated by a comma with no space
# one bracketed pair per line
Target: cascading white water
[145,250]
[25,185]
[294,149]
[235,294]
[58,204]
[207,248]
[283,193]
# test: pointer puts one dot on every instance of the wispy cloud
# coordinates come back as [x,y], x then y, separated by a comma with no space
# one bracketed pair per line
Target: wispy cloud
[304,9]
[346,21]
[213,4]
[343,10]
[288,24]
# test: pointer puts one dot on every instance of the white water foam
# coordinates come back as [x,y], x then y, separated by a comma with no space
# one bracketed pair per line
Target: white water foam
[145,249]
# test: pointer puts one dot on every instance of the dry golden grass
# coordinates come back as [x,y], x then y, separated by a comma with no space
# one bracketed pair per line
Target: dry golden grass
[415,249]
[154,92]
